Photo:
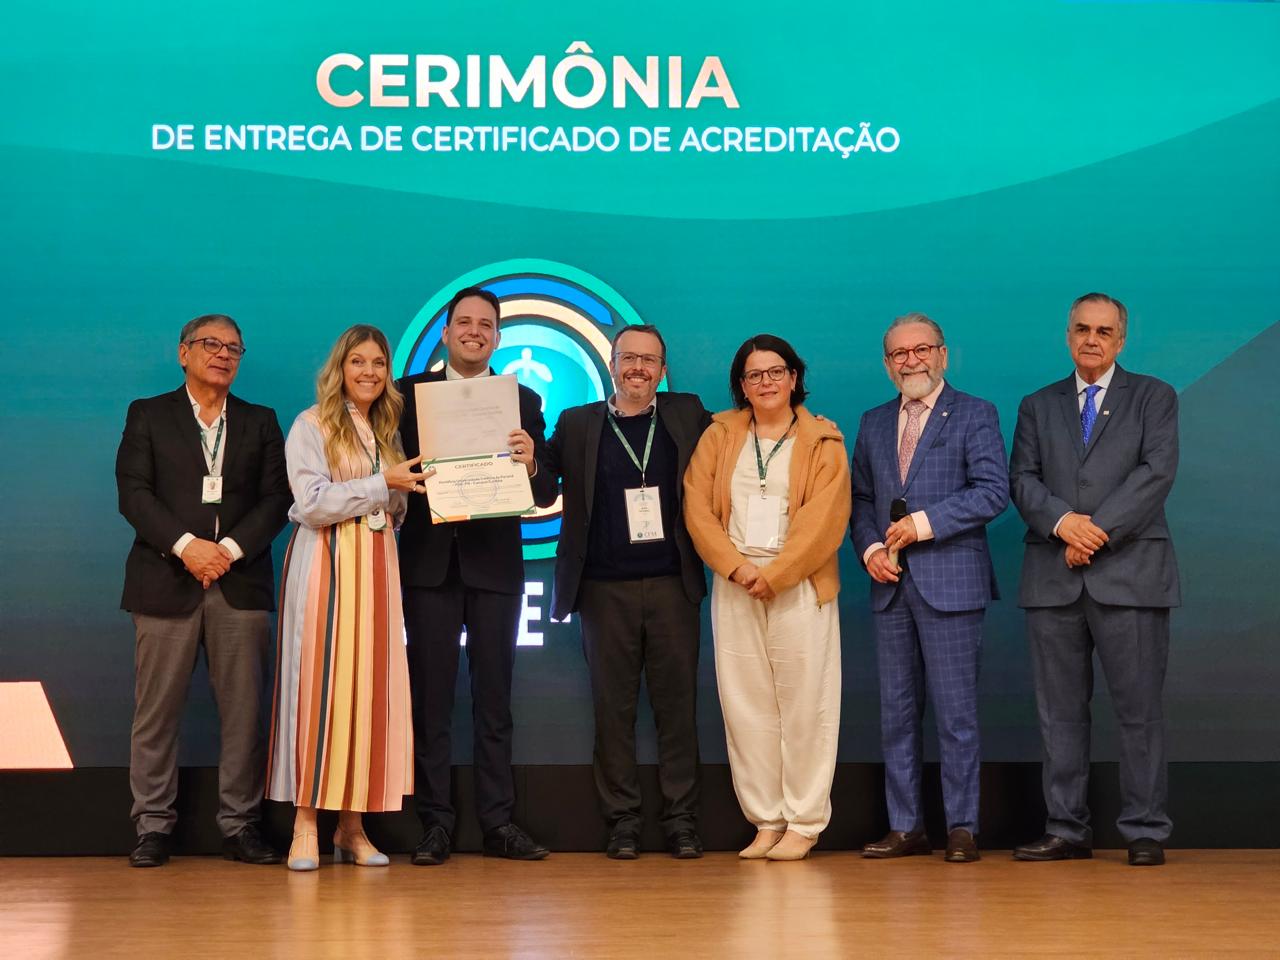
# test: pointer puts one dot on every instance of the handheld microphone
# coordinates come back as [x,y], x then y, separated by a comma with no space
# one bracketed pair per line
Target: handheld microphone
[897,510]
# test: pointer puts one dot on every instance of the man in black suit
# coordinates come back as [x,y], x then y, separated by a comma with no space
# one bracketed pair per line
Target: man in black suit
[626,566]
[201,477]
[1094,457]
[467,574]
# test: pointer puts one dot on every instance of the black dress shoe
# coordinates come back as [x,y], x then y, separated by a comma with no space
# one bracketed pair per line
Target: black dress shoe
[1050,847]
[622,846]
[961,847]
[152,851]
[897,843]
[433,849]
[511,842]
[249,847]
[1145,852]
[685,845]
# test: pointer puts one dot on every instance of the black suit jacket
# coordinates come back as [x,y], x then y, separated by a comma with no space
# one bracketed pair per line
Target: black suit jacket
[159,468]
[489,552]
[572,454]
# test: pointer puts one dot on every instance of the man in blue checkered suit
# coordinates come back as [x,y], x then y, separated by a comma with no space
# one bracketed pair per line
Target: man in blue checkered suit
[928,476]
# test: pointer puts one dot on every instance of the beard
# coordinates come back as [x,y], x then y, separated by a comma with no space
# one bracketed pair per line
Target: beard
[634,389]
[918,386]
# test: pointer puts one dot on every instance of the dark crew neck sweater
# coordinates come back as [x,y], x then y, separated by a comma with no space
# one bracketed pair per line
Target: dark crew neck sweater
[610,553]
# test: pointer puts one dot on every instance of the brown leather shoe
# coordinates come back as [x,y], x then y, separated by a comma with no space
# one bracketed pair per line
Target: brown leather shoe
[1050,847]
[898,844]
[961,847]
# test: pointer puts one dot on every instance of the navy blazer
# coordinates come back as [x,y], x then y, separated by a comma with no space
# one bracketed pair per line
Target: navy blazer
[159,468]
[1121,480]
[957,477]
[490,556]
[572,453]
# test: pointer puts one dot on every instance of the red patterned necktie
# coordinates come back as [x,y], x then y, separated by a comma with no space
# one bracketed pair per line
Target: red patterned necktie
[910,437]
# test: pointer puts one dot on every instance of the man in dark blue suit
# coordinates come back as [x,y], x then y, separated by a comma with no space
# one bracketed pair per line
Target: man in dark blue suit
[1094,457]
[928,476]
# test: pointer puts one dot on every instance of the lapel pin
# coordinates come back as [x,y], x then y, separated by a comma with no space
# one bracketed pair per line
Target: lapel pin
[945,412]
[1106,413]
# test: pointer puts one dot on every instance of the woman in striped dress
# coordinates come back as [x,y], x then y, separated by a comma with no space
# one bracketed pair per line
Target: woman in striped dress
[341,733]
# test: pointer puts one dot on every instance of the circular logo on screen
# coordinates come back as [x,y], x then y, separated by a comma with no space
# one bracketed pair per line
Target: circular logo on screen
[557,323]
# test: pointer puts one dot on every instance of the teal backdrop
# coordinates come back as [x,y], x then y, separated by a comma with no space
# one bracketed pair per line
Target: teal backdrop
[1041,150]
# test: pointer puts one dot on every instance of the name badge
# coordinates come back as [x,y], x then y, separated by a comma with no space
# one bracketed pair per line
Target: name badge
[644,514]
[764,522]
[211,490]
[377,519]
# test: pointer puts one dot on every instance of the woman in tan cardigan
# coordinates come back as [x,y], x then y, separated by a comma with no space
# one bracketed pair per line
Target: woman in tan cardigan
[767,505]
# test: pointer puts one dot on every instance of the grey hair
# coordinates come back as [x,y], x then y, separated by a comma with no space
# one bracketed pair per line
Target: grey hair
[907,318]
[1102,298]
[191,326]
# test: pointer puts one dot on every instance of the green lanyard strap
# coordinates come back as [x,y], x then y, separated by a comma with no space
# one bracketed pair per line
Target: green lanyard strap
[376,459]
[762,464]
[642,466]
[217,445]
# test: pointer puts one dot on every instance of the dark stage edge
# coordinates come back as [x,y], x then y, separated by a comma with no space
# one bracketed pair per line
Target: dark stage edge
[84,812]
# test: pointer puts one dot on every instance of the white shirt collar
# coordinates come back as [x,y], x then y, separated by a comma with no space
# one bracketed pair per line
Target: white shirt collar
[452,374]
[195,405]
[1103,381]
[613,408]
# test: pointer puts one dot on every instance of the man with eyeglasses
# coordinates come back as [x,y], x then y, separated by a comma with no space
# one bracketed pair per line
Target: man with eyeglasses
[201,477]
[626,566]
[928,476]
[1094,458]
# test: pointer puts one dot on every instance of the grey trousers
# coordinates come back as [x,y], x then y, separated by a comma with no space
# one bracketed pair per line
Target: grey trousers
[236,645]
[1133,647]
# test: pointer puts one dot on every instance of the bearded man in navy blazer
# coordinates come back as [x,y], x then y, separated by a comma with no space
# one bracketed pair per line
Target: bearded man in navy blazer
[928,476]
[1094,457]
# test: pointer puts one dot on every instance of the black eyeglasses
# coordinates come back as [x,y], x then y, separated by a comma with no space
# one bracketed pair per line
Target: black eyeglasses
[651,360]
[920,350]
[753,377]
[213,345]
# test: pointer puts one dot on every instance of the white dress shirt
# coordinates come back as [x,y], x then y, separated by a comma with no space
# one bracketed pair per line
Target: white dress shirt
[452,374]
[208,436]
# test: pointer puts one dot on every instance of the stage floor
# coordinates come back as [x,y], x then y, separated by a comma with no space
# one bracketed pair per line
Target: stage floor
[1203,903]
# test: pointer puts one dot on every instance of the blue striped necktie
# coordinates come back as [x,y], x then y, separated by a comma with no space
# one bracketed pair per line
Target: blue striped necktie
[1089,412]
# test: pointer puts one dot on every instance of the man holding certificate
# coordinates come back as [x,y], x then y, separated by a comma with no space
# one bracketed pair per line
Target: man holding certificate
[461,566]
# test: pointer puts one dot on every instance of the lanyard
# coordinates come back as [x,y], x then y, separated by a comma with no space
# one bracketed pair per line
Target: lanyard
[762,465]
[217,445]
[376,460]
[642,466]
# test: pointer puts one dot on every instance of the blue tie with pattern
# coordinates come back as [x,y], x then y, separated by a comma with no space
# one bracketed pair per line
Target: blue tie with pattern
[1089,412]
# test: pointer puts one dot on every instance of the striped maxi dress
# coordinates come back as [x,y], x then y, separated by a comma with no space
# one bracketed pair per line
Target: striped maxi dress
[341,729]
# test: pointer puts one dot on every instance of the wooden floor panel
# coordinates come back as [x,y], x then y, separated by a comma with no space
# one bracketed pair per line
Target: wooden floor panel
[1204,903]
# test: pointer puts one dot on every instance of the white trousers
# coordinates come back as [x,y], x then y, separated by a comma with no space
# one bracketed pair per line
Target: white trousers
[778,669]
